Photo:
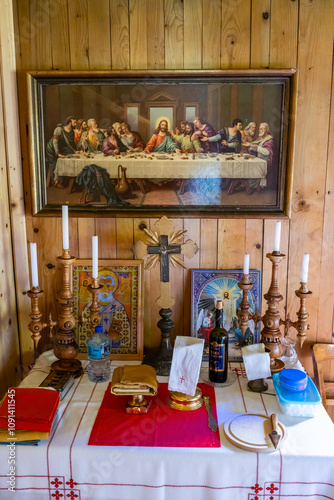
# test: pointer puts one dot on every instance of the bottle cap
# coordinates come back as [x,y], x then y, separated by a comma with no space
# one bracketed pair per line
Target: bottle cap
[219,304]
[98,329]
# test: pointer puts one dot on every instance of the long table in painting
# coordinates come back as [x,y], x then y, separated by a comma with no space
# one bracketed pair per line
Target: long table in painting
[66,467]
[169,166]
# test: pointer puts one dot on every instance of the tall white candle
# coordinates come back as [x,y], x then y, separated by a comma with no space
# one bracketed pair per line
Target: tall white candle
[66,244]
[277,236]
[33,264]
[246,263]
[95,253]
[306,259]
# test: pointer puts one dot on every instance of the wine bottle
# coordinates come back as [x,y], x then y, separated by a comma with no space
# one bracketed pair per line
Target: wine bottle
[218,348]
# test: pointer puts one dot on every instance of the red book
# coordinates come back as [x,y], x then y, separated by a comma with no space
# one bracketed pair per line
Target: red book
[29,409]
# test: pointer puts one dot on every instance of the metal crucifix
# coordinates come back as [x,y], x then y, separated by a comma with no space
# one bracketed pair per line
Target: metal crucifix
[164,250]
[164,245]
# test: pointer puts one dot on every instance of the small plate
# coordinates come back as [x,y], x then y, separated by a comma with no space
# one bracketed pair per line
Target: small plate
[204,376]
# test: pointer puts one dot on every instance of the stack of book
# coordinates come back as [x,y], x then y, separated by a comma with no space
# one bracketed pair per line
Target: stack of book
[27,415]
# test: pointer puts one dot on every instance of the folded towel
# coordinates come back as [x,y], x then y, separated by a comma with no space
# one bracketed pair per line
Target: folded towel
[139,379]
[256,361]
[186,364]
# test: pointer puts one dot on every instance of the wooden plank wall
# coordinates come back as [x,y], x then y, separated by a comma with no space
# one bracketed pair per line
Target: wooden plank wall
[196,34]
[12,220]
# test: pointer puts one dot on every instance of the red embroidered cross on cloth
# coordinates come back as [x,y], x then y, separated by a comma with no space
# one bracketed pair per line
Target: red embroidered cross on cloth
[161,426]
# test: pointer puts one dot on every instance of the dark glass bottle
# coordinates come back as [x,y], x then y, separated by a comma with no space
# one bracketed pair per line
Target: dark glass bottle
[218,348]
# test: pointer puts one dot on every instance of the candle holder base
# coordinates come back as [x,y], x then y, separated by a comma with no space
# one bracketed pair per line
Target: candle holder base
[73,365]
[257,385]
[278,366]
[161,358]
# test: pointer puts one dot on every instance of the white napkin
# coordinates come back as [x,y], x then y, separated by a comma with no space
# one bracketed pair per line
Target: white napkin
[186,364]
[256,361]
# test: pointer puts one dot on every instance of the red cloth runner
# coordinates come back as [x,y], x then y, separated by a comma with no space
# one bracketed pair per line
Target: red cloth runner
[161,426]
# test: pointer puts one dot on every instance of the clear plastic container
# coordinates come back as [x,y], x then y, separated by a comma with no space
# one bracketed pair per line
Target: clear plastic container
[298,404]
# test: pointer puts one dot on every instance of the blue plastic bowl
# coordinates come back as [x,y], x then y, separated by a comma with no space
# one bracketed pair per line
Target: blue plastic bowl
[293,380]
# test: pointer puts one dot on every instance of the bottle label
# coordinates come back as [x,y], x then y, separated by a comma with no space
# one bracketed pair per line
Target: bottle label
[217,357]
[98,351]
[105,350]
[95,351]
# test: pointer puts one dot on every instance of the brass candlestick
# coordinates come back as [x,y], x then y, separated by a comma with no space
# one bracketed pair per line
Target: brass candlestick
[271,334]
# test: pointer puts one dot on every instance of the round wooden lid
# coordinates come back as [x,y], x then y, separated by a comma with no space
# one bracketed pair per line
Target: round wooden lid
[250,432]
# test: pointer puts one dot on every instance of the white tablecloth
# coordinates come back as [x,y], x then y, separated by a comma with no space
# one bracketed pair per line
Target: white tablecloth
[64,467]
[172,167]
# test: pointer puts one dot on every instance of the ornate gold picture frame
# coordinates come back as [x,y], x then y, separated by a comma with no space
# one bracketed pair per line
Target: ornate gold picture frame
[195,143]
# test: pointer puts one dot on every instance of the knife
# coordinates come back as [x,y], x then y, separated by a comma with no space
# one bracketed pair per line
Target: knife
[274,436]
[211,419]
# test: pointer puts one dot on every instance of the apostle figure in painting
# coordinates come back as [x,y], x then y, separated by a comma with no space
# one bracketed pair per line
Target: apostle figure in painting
[247,135]
[161,141]
[61,145]
[112,144]
[185,142]
[91,140]
[118,128]
[263,147]
[79,129]
[131,140]
[181,130]
[203,131]
[229,138]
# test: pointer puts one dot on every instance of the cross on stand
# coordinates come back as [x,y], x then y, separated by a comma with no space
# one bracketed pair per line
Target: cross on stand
[164,245]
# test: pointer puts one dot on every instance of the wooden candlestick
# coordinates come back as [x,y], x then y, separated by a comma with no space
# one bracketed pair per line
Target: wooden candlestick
[245,285]
[66,347]
[36,324]
[95,316]
[271,334]
[301,325]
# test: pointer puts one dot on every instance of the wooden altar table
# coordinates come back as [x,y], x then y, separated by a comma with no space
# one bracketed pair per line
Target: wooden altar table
[65,467]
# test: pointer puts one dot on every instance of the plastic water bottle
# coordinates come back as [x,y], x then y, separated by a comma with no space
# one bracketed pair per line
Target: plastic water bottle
[98,347]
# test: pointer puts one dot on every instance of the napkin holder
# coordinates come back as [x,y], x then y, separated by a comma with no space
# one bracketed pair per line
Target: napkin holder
[137,382]
[259,353]
[184,394]
[257,385]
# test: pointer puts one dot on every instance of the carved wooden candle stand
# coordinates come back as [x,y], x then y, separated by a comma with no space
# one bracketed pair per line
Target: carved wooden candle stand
[95,316]
[66,347]
[161,358]
[271,334]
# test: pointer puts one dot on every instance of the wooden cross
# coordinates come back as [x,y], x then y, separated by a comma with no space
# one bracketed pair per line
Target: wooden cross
[164,245]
